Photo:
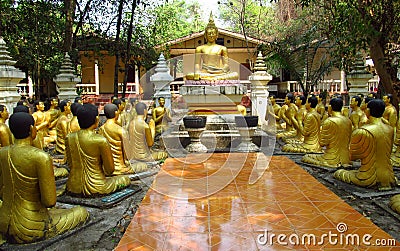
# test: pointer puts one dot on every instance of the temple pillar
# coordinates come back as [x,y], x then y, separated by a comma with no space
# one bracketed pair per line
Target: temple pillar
[9,78]
[259,90]
[358,78]
[162,80]
[67,80]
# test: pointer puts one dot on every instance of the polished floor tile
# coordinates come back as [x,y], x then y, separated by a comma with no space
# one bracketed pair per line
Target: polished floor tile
[205,202]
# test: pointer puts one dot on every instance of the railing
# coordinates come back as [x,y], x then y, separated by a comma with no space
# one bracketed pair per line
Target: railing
[91,89]
[23,89]
[131,88]
[174,87]
[88,88]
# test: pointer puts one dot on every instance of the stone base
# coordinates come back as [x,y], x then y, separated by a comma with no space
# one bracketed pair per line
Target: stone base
[100,202]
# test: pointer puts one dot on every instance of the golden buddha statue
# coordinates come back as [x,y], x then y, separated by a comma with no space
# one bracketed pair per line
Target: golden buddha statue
[298,119]
[113,132]
[28,190]
[311,131]
[390,115]
[52,116]
[161,116]
[62,127]
[372,144]
[394,203]
[5,133]
[395,157]
[321,107]
[41,123]
[74,124]
[363,107]
[121,107]
[275,112]
[141,137]
[90,158]
[356,114]
[335,136]
[211,59]
[287,115]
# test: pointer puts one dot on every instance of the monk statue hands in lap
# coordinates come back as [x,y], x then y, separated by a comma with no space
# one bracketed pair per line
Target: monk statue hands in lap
[28,189]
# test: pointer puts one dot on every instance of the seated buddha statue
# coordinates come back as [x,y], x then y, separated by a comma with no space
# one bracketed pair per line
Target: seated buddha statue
[89,157]
[5,133]
[62,127]
[161,116]
[363,107]
[113,132]
[287,116]
[395,156]
[52,116]
[390,115]
[310,131]
[141,136]
[356,114]
[321,107]
[73,124]
[335,136]
[28,189]
[211,59]
[41,123]
[372,144]
[121,107]
[275,111]
[298,119]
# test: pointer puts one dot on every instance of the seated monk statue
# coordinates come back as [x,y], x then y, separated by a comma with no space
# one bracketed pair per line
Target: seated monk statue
[395,157]
[121,107]
[211,59]
[141,136]
[275,111]
[394,203]
[363,107]
[161,116]
[335,136]
[62,126]
[287,116]
[113,132]
[90,159]
[298,119]
[5,133]
[390,115]
[356,114]
[310,131]
[321,107]
[52,116]
[372,144]
[28,189]
[41,124]
[73,124]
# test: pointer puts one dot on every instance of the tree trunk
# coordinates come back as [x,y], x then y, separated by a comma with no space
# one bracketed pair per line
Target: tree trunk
[69,20]
[117,53]
[376,50]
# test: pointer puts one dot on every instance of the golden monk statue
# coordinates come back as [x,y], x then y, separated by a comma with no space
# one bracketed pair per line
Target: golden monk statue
[211,59]
[310,131]
[74,124]
[390,115]
[363,107]
[121,107]
[52,116]
[372,144]
[90,158]
[28,189]
[41,124]
[321,107]
[62,127]
[288,115]
[5,133]
[141,137]
[395,203]
[112,131]
[356,114]
[275,111]
[298,120]
[335,136]
[161,116]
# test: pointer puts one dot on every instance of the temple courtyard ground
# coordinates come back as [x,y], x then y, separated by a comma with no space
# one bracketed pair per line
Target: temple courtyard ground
[286,200]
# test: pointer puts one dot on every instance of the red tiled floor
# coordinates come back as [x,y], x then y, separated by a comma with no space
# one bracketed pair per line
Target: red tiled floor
[205,202]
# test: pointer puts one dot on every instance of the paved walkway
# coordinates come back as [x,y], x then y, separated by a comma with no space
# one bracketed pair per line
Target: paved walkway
[285,209]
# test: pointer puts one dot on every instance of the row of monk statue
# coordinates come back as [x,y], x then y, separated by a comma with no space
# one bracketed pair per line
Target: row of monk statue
[336,137]
[98,159]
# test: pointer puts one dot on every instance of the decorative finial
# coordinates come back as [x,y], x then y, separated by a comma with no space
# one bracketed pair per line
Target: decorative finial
[211,23]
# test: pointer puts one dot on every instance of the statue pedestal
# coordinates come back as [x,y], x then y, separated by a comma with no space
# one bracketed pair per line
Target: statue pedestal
[247,145]
[195,145]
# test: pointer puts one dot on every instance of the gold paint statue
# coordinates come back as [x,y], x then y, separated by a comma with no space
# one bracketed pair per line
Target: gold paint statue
[356,113]
[90,159]
[211,59]
[298,120]
[141,137]
[390,115]
[161,116]
[113,132]
[372,144]
[275,111]
[395,203]
[62,127]
[311,131]
[5,133]
[28,190]
[287,114]
[335,136]
[41,124]
[74,124]
[52,116]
